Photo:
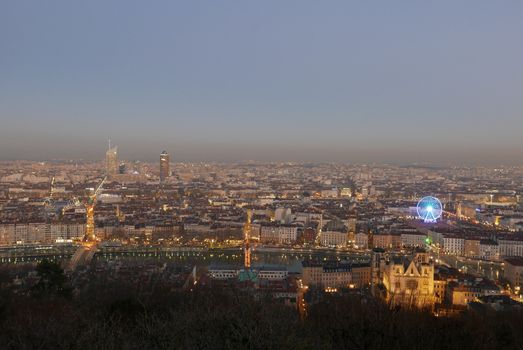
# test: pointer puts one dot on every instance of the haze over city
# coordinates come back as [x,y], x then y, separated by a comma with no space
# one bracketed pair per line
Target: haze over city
[295,80]
[277,174]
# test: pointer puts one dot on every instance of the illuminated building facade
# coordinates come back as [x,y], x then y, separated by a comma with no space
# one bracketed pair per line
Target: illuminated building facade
[334,233]
[335,274]
[462,292]
[514,272]
[247,243]
[409,282]
[164,165]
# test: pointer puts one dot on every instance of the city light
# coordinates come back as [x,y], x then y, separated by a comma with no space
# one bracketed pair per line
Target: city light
[288,175]
[429,209]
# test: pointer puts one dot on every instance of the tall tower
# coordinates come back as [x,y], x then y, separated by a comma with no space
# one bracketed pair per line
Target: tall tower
[111,161]
[164,166]
[246,241]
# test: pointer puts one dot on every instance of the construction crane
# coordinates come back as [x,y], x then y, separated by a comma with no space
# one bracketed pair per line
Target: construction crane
[48,202]
[246,241]
[89,208]
[86,251]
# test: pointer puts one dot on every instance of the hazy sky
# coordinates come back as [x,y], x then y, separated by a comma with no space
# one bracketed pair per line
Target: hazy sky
[285,80]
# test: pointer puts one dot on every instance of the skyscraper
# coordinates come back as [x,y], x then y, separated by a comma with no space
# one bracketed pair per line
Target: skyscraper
[111,161]
[164,166]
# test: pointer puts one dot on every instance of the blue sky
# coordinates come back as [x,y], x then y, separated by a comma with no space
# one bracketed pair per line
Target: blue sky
[357,81]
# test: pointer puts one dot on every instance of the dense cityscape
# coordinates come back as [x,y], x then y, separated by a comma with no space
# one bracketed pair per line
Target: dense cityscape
[261,175]
[428,240]
[295,231]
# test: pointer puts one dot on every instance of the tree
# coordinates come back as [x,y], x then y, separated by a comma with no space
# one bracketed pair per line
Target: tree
[52,280]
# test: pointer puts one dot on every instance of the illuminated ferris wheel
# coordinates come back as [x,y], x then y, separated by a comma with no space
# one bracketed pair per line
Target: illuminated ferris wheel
[429,209]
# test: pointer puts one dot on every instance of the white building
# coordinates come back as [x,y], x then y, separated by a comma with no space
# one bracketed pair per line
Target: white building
[453,245]
[39,233]
[334,233]
[282,234]
[413,239]
[510,247]
[361,240]
[263,273]
[488,250]
[221,273]
[333,238]
[331,274]
[272,273]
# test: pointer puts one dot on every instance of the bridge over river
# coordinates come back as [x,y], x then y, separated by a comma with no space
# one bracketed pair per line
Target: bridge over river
[73,255]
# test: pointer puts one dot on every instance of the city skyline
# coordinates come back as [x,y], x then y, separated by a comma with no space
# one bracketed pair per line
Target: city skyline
[319,156]
[261,174]
[348,82]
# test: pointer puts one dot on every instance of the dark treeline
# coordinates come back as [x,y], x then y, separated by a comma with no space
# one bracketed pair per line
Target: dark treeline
[118,316]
